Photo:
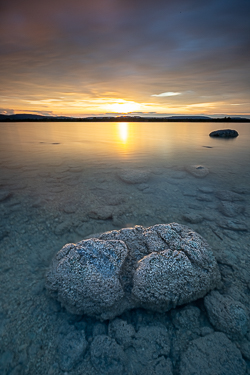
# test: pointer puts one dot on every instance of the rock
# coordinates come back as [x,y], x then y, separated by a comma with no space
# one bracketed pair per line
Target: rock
[186,318]
[150,343]
[107,356]
[159,366]
[226,315]
[230,209]
[232,225]
[134,176]
[197,170]
[156,268]
[213,354]
[224,133]
[122,332]
[62,227]
[4,195]
[227,195]
[71,350]
[101,213]
[192,218]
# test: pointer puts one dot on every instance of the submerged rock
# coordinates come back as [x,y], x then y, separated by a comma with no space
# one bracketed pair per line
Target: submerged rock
[157,268]
[71,350]
[224,133]
[226,315]
[107,356]
[213,354]
[197,170]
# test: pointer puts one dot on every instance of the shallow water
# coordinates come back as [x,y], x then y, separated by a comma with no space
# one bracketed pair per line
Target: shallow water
[60,182]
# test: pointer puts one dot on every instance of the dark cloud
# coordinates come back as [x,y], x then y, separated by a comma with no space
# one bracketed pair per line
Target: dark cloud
[132,48]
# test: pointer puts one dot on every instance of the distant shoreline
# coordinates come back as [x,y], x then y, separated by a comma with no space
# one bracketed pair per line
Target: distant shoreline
[124,119]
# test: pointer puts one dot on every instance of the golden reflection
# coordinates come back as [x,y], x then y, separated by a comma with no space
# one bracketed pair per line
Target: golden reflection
[123,131]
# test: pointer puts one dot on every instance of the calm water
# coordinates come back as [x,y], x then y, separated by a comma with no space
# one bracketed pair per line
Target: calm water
[60,182]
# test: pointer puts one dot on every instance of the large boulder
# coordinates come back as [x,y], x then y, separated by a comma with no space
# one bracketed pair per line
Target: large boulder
[224,133]
[156,268]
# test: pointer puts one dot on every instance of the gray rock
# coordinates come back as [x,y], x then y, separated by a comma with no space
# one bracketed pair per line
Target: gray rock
[134,176]
[122,332]
[101,213]
[213,354]
[224,133]
[71,350]
[230,209]
[156,268]
[197,170]
[186,318]
[107,356]
[227,195]
[226,315]
[150,343]
[159,366]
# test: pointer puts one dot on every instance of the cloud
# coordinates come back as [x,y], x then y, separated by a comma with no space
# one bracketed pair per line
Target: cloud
[169,93]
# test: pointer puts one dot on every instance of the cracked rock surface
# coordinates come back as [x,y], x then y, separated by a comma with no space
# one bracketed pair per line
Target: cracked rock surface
[156,268]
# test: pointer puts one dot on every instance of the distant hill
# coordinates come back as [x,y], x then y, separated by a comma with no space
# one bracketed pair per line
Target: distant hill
[189,118]
[22,117]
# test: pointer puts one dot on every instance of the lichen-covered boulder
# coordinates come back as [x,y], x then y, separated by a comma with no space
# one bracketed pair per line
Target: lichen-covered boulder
[157,268]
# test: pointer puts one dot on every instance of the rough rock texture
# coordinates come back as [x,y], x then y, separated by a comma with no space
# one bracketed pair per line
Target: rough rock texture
[230,209]
[157,268]
[224,133]
[226,315]
[213,354]
[134,176]
[71,349]
[197,170]
[107,356]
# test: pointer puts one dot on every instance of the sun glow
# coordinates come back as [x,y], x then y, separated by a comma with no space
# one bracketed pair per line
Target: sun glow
[123,106]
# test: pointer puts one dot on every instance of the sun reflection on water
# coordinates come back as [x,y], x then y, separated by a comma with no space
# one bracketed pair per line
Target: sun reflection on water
[123,128]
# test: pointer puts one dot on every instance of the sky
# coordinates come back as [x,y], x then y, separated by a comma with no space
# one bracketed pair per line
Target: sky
[107,57]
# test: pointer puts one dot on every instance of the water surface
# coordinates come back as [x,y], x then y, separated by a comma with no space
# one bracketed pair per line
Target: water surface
[60,182]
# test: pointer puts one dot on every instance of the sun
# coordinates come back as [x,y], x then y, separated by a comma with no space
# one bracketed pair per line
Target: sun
[123,106]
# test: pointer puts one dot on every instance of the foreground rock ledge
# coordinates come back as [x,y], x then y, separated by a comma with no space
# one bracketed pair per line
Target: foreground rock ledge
[156,268]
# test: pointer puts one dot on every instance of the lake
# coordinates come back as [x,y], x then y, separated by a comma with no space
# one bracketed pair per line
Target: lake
[63,182]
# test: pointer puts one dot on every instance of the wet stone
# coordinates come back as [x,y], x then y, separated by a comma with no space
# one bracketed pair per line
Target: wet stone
[206,189]
[226,314]
[227,195]
[122,332]
[224,133]
[210,355]
[121,271]
[101,213]
[107,356]
[159,366]
[151,342]
[199,171]
[230,209]
[71,350]
[192,218]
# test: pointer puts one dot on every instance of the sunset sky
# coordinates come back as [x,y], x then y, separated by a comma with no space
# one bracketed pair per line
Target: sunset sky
[106,57]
